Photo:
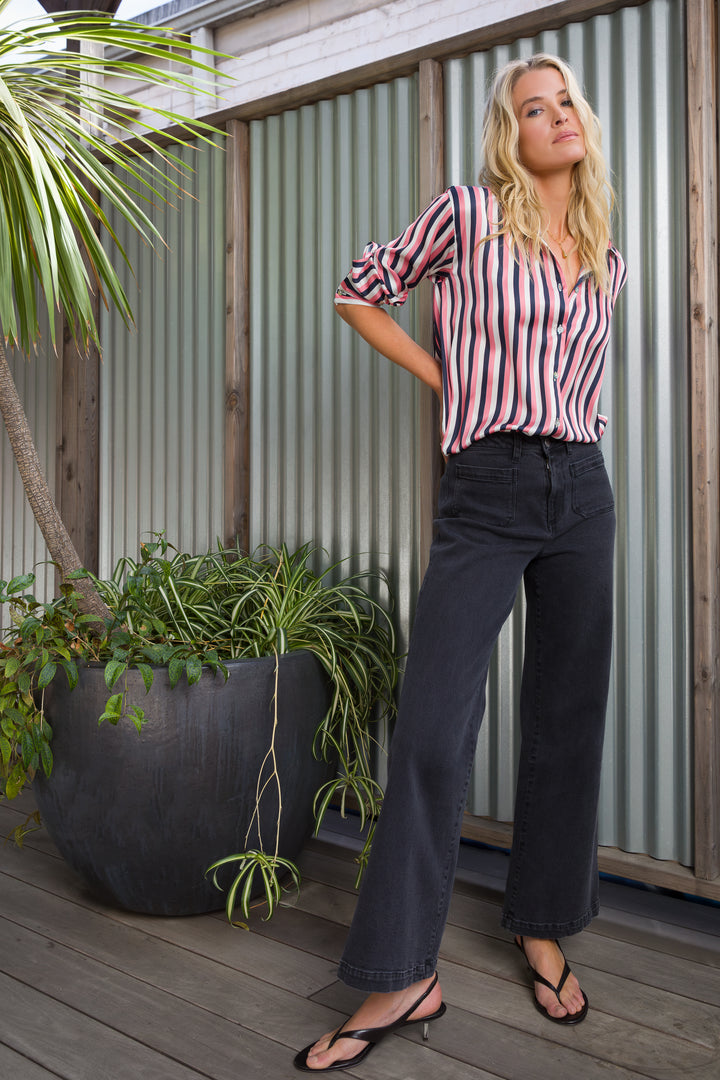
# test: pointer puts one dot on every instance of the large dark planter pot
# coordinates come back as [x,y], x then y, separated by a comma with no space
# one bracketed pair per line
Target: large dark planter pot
[142,815]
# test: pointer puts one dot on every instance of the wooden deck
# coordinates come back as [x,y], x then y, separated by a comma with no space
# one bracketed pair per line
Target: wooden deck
[91,993]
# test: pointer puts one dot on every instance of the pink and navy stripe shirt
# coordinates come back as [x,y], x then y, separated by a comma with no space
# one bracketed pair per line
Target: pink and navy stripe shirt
[518,350]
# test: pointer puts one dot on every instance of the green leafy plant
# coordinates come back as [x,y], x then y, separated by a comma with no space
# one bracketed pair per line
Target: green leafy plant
[185,612]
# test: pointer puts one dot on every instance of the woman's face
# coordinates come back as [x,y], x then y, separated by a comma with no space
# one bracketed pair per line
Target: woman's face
[551,137]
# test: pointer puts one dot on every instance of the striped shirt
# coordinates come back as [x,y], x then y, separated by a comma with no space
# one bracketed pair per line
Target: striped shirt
[518,350]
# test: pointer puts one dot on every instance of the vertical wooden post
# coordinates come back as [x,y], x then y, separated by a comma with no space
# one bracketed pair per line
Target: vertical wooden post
[77,477]
[432,182]
[704,426]
[237,340]
[77,470]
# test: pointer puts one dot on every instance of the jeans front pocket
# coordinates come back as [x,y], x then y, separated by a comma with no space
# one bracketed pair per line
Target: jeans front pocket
[591,490]
[485,495]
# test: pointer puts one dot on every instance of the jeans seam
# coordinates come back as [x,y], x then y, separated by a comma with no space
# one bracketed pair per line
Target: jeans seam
[531,756]
[451,851]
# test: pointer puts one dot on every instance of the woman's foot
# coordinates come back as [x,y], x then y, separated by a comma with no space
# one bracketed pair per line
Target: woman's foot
[547,959]
[378,1010]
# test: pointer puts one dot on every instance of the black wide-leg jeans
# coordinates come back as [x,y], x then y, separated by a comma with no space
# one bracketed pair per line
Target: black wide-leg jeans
[512,508]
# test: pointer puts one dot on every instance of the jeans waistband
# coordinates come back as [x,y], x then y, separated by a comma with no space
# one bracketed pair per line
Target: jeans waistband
[517,443]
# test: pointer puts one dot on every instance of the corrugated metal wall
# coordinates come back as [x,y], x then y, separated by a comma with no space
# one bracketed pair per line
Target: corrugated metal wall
[632,66]
[335,433]
[162,384]
[22,547]
[334,430]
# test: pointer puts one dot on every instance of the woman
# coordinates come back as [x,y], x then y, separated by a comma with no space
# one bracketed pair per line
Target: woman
[525,281]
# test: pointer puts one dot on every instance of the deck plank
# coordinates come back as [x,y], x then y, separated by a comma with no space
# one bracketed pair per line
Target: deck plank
[19,1067]
[74,1046]
[502,1049]
[162,1020]
[126,995]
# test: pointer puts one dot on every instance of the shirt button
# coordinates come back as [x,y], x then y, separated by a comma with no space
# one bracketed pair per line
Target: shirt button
[560,329]
[555,376]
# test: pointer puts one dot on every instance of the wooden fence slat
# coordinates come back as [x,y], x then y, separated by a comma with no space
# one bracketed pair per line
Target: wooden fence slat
[237,339]
[431,151]
[704,426]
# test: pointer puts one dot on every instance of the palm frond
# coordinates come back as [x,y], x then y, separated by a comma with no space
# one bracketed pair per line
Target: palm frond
[61,141]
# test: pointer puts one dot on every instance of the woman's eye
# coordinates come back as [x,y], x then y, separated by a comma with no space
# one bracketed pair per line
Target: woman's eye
[567,103]
[534,112]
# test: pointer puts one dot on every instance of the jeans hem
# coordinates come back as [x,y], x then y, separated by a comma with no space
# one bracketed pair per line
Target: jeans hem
[550,930]
[384,982]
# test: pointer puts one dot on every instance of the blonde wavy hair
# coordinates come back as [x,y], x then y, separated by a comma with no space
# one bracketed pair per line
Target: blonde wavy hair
[523,217]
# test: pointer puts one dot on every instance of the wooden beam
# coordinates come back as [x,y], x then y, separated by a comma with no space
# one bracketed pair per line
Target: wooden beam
[701,36]
[77,468]
[631,865]
[431,152]
[77,476]
[237,339]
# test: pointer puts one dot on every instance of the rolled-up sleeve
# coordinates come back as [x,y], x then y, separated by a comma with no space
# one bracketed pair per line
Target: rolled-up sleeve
[386,272]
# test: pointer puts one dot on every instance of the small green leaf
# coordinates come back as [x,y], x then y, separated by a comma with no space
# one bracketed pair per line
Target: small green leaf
[5,750]
[194,670]
[46,757]
[70,669]
[175,670]
[22,581]
[47,674]
[137,716]
[212,659]
[28,748]
[113,670]
[11,666]
[147,675]
[11,718]
[16,781]
[113,709]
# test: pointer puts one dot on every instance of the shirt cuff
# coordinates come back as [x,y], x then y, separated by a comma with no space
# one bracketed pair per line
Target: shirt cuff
[351,300]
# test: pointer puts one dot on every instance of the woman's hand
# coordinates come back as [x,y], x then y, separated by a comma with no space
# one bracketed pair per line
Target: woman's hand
[382,332]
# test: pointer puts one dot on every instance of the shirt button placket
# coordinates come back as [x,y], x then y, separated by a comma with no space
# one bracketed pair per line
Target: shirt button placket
[560,330]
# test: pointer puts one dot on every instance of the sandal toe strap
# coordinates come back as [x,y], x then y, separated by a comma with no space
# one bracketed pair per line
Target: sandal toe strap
[374,1035]
[363,1034]
[546,982]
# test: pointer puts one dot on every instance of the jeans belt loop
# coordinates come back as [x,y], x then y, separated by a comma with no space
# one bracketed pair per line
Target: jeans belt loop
[517,446]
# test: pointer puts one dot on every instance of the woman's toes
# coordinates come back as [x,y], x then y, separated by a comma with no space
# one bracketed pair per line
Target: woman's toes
[320,1055]
[549,1002]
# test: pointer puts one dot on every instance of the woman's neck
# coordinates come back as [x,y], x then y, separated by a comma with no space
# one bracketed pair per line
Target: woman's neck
[554,194]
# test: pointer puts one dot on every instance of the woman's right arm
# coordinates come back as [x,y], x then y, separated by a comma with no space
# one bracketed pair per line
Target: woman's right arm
[384,274]
[382,332]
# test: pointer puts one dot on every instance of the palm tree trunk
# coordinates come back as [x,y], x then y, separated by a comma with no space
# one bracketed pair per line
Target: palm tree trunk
[61,548]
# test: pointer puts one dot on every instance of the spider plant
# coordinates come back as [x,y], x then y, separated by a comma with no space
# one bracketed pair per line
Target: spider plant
[187,611]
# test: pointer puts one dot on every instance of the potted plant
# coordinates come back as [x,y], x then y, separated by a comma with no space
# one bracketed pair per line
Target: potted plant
[62,135]
[253,682]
